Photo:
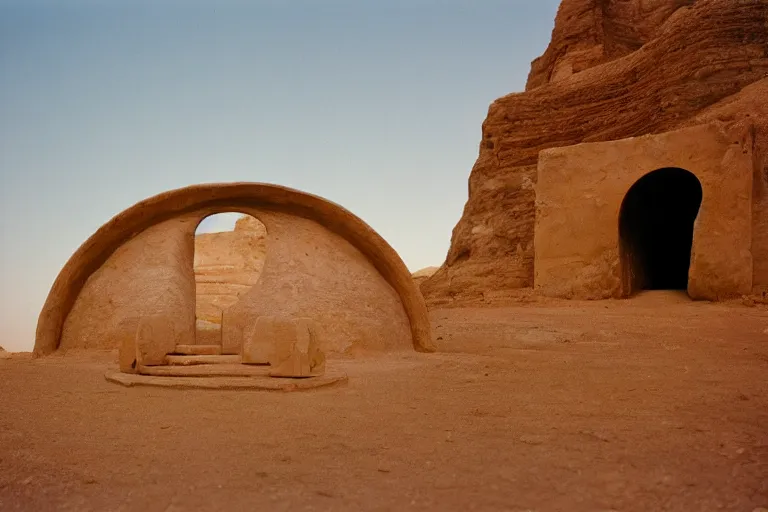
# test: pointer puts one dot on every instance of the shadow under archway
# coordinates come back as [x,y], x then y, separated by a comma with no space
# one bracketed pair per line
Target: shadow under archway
[656,230]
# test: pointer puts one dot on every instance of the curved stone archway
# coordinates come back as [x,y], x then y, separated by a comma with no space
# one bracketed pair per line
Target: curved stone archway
[159,233]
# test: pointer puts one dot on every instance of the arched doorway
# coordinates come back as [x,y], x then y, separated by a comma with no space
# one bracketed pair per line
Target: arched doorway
[656,230]
[230,249]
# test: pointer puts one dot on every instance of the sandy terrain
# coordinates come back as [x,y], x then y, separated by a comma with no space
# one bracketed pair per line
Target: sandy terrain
[651,404]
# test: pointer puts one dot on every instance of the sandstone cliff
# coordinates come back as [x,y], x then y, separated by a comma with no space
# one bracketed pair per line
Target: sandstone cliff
[592,32]
[614,69]
[425,273]
[227,264]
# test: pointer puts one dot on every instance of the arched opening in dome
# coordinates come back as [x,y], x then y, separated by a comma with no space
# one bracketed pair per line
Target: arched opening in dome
[230,249]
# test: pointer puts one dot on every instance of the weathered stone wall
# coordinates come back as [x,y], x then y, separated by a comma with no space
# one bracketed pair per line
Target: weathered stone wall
[695,57]
[311,272]
[151,274]
[749,110]
[581,189]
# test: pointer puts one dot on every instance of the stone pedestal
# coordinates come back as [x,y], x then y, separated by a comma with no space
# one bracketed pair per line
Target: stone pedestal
[261,339]
[154,340]
[289,345]
[127,355]
[232,327]
[299,356]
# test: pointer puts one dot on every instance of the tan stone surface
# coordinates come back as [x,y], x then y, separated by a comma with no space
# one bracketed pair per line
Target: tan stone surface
[692,58]
[192,350]
[324,263]
[749,109]
[310,272]
[155,339]
[262,337]
[233,324]
[227,264]
[295,365]
[315,352]
[189,360]
[580,192]
[425,273]
[207,370]
[148,275]
[127,355]
[291,354]
[289,345]
[254,382]
[209,333]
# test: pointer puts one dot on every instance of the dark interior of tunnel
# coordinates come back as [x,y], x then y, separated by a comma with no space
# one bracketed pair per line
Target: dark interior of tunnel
[656,230]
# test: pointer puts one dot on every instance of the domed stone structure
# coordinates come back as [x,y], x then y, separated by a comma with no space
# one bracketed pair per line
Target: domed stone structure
[132,283]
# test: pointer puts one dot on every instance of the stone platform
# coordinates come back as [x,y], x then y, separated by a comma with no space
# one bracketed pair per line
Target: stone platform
[257,379]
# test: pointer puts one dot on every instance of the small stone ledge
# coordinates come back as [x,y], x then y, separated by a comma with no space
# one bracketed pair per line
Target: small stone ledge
[261,382]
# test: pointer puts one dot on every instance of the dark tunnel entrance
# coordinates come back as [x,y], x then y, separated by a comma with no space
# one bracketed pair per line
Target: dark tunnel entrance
[656,230]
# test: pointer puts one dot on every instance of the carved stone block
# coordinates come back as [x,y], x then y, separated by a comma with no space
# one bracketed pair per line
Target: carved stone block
[154,340]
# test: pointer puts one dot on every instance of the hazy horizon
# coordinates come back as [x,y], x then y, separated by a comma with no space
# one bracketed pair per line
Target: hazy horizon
[375,106]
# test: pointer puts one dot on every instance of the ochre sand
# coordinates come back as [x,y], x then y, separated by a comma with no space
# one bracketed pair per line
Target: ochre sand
[656,403]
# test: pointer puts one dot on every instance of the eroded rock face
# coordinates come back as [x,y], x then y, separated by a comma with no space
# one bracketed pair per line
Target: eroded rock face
[591,32]
[311,272]
[425,273]
[748,111]
[636,68]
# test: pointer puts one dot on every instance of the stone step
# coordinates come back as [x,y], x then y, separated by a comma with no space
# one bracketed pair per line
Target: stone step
[198,350]
[207,370]
[173,360]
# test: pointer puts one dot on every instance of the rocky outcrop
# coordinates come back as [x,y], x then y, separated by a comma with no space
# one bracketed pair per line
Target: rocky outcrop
[591,32]
[425,273]
[614,70]
[227,264]
[749,108]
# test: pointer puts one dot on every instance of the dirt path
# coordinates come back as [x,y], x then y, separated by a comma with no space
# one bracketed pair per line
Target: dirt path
[650,404]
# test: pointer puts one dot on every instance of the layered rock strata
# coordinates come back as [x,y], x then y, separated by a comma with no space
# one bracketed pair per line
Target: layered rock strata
[613,70]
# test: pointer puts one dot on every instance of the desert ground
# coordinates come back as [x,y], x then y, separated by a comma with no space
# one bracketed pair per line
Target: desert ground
[652,403]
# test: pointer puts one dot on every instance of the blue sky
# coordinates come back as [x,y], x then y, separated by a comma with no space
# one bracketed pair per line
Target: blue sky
[376,105]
